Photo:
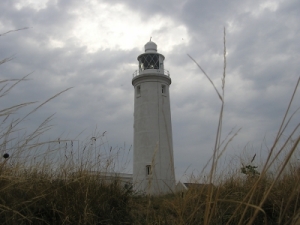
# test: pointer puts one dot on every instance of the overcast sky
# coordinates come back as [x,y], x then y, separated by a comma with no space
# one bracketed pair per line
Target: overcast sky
[93,45]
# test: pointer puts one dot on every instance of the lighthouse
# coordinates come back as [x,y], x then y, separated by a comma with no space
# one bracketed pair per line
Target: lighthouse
[153,159]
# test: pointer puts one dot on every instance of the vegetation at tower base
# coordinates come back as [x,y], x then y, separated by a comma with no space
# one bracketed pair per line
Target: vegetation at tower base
[36,188]
[35,192]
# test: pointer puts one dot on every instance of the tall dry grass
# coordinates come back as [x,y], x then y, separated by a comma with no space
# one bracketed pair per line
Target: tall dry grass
[48,183]
[55,182]
[239,201]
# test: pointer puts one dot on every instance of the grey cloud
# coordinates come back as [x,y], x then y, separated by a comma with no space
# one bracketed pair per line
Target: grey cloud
[262,68]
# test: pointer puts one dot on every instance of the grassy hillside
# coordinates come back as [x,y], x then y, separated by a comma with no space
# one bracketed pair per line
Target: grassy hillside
[32,196]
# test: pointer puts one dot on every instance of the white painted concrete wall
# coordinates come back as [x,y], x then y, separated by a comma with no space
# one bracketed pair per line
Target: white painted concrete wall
[153,144]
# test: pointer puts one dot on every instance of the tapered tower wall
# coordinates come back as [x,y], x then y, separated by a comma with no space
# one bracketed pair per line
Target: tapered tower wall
[153,167]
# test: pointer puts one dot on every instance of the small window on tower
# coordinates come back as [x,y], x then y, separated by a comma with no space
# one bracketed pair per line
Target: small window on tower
[138,91]
[148,170]
[163,89]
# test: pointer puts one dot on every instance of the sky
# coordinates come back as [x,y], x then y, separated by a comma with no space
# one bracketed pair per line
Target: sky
[93,47]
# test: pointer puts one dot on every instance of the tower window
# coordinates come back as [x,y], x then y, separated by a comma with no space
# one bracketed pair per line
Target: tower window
[148,170]
[163,89]
[138,91]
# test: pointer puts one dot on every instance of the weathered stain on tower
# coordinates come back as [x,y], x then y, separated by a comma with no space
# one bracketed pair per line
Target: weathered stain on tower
[153,160]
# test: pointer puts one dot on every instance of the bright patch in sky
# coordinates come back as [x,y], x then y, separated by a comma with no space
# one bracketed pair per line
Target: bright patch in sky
[117,27]
[54,43]
[232,26]
[34,4]
[268,5]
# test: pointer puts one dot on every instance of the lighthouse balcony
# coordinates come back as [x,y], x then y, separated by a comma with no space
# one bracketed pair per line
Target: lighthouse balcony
[151,71]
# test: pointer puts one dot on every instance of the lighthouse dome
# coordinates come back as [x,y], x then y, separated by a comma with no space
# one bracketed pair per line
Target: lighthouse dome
[150,47]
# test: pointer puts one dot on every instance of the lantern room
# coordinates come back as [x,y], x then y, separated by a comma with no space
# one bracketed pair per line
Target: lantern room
[151,61]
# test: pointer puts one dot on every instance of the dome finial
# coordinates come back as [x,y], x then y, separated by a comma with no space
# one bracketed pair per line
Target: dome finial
[150,46]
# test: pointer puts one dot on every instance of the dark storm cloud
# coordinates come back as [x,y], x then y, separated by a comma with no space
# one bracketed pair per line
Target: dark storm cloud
[262,68]
[99,79]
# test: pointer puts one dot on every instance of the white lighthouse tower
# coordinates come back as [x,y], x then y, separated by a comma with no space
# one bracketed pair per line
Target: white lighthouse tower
[153,160]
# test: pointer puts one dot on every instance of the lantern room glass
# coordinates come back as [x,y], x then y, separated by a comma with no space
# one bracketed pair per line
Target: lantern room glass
[149,61]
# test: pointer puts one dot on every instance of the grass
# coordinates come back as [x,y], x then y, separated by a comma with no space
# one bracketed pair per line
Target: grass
[39,198]
[49,190]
